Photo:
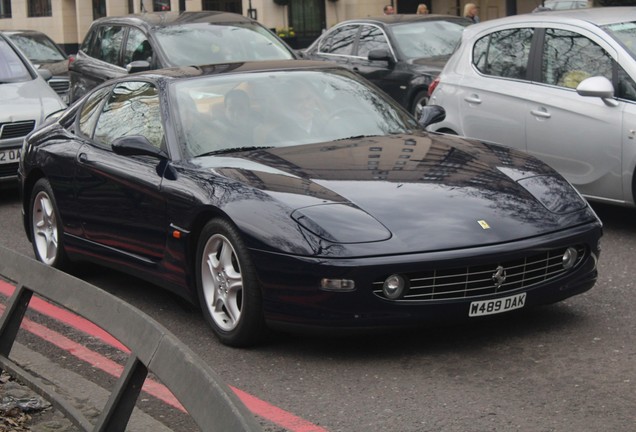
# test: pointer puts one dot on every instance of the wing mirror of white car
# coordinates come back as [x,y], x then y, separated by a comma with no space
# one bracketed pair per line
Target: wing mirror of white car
[45,74]
[431,114]
[598,86]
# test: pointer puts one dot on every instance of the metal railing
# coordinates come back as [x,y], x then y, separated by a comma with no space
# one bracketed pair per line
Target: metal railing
[210,403]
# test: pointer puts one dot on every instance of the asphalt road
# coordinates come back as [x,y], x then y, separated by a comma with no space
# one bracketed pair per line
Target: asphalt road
[565,367]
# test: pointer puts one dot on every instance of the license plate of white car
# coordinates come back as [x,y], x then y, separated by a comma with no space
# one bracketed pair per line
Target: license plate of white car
[495,306]
[9,156]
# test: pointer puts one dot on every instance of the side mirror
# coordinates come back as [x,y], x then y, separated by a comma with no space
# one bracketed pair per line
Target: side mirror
[600,87]
[380,55]
[137,145]
[45,74]
[431,114]
[138,66]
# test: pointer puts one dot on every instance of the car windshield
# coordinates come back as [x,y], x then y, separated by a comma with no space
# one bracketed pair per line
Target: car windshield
[38,48]
[196,44]
[625,34]
[283,108]
[12,69]
[427,39]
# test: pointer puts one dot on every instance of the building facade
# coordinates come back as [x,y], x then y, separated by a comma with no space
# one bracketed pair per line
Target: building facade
[67,21]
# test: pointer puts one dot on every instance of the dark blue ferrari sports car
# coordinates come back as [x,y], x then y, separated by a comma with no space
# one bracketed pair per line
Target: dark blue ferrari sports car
[294,194]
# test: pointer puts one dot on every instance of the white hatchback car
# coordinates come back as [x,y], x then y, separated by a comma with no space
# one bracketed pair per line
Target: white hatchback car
[560,85]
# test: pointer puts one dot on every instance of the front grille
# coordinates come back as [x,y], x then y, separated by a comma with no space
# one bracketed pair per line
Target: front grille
[16,130]
[474,281]
[60,86]
[8,170]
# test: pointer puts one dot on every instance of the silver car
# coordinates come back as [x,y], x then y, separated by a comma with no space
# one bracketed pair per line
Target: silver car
[559,85]
[25,102]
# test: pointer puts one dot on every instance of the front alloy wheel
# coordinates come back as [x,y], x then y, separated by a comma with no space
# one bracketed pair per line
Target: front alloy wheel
[228,291]
[45,226]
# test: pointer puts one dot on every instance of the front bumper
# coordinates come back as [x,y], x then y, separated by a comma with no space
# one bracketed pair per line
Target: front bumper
[292,295]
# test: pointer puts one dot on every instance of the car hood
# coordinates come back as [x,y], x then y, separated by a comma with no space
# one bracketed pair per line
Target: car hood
[410,192]
[30,100]
[57,68]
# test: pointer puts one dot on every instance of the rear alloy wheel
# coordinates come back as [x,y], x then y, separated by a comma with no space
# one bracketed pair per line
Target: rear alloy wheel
[46,233]
[228,289]
[419,101]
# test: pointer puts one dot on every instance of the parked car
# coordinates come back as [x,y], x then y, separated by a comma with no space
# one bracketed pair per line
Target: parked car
[559,85]
[401,54]
[115,46]
[322,203]
[25,102]
[45,54]
[563,5]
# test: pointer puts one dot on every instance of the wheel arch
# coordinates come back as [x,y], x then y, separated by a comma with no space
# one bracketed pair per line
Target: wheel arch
[27,189]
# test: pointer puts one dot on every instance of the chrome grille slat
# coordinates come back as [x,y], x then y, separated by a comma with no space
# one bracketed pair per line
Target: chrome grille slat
[472,281]
[16,129]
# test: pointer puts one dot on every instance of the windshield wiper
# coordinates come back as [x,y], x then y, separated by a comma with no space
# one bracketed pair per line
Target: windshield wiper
[232,150]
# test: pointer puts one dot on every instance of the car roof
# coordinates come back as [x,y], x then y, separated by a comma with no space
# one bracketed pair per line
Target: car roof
[166,19]
[594,16]
[14,32]
[401,19]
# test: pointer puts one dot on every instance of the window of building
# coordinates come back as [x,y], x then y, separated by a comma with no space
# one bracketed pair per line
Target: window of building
[5,9]
[39,8]
[99,9]
[235,6]
[160,5]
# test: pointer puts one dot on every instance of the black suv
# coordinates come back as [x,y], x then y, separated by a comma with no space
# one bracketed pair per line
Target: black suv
[115,46]
[401,54]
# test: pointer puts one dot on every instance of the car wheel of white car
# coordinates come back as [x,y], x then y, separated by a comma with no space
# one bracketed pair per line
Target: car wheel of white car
[46,232]
[228,289]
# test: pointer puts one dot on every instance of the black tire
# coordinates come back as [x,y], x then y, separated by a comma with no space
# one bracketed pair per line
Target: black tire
[228,289]
[420,100]
[46,227]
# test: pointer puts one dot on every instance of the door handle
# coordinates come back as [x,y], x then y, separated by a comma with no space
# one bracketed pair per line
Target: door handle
[473,99]
[541,112]
[82,157]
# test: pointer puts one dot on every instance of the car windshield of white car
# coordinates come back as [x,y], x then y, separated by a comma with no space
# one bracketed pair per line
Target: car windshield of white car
[429,39]
[280,109]
[38,49]
[201,44]
[12,69]
[625,34]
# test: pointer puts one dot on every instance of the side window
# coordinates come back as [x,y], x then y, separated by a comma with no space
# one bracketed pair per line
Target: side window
[137,47]
[108,44]
[340,41]
[132,109]
[626,88]
[504,53]
[569,58]
[91,110]
[88,44]
[371,38]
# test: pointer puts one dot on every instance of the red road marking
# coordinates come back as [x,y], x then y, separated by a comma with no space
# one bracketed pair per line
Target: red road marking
[257,406]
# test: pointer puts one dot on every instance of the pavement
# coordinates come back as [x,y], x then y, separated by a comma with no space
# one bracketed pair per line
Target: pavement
[38,415]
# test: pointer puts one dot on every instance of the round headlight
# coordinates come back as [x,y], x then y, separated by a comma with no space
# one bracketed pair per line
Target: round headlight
[569,258]
[395,286]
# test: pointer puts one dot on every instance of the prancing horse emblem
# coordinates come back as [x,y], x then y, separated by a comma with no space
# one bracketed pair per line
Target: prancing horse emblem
[499,276]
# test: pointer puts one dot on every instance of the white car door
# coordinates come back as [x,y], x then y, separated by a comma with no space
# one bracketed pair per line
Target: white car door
[491,98]
[581,137]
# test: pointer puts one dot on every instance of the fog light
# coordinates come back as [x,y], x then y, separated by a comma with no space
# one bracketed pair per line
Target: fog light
[337,284]
[395,286]
[569,258]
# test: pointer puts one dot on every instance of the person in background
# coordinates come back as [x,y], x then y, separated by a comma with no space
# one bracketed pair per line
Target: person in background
[389,10]
[470,12]
[422,9]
